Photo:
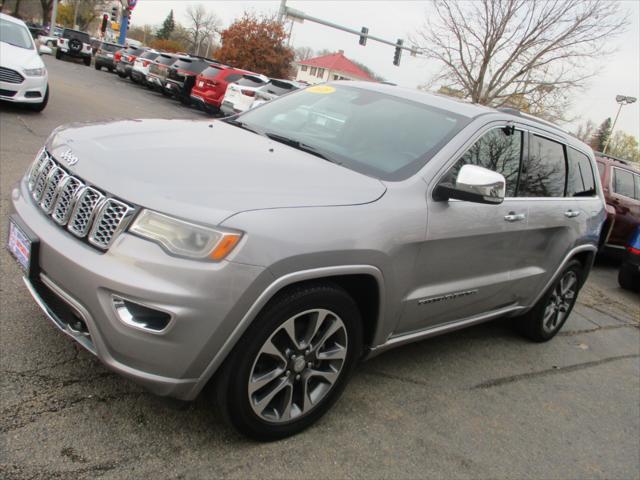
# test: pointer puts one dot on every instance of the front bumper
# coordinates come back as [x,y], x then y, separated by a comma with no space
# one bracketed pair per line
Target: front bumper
[205,300]
[26,91]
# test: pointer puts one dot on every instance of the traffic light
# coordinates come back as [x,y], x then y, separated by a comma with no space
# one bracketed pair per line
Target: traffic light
[398,52]
[114,13]
[363,38]
[105,21]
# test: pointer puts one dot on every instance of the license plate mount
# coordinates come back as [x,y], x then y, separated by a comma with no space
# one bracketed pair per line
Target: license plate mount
[24,246]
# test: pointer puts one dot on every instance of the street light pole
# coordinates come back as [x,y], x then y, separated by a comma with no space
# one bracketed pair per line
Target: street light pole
[622,100]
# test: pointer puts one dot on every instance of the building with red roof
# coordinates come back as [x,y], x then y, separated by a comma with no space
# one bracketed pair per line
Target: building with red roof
[330,67]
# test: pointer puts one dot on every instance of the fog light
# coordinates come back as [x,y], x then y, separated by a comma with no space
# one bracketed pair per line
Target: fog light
[140,316]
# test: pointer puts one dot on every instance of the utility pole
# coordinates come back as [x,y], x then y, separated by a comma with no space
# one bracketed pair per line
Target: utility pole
[54,14]
[75,14]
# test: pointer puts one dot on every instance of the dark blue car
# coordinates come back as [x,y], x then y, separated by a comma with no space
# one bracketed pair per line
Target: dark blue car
[629,274]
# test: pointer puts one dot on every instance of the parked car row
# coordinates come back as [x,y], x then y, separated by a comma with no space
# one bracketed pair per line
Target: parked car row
[194,80]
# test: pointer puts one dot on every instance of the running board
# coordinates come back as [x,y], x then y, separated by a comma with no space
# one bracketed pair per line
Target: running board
[403,339]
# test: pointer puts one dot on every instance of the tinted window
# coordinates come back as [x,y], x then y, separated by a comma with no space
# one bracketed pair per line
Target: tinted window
[278,88]
[148,55]
[190,65]
[82,36]
[580,181]
[248,81]
[15,34]
[543,172]
[233,77]
[211,72]
[110,47]
[165,59]
[498,150]
[623,182]
[377,134]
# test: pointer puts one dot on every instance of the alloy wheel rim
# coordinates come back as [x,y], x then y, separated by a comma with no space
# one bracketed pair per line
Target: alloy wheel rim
[560,301]
[298,366]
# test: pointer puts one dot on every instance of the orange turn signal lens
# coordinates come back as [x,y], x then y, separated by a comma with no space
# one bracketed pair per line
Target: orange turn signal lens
[224,247]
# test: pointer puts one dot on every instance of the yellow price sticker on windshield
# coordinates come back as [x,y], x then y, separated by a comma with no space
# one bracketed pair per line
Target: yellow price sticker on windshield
[321,89]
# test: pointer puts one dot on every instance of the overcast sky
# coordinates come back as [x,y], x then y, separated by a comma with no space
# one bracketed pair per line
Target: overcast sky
[619,74]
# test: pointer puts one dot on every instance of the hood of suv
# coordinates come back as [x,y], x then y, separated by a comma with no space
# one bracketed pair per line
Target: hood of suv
[204,171]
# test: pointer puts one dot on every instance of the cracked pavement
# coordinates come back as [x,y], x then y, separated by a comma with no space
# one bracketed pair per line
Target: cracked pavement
[478,403]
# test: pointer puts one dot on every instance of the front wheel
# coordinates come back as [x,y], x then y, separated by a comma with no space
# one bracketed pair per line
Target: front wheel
[547,317]
[97,66]
[292,364]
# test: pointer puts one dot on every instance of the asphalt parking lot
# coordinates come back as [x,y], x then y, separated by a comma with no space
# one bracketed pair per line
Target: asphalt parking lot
[479,403]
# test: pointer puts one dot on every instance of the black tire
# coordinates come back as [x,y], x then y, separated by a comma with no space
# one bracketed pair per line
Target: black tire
[532,324]
[97,66]
[231,386]
[58,54]
[110,69]
[122,74]
[87,61]
[38,107]
[626,278]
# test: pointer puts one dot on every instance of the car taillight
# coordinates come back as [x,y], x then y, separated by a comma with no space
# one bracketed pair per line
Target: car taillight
[211,83]
[117,56]
[249,93]
[145,63]
[633,251]
[61,40]
[130,58]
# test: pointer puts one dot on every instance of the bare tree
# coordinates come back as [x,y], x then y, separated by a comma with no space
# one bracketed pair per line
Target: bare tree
[202,26]
[303,53]
[524,53]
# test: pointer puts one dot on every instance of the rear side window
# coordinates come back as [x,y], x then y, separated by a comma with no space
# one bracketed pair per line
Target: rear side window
[149,55]
[234,77]
[110,47]
[183,64]
[278,88]
[499,150]
[211,72]
[544,171]
[580,181]
[82,36]
[637,179]
[623,183]
[165,60]
[248,81]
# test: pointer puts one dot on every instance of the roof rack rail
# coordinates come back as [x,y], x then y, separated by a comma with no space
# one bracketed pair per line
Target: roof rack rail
[611,157]
[528,116]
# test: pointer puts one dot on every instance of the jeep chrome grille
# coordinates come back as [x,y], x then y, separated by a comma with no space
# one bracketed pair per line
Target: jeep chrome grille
[84,210]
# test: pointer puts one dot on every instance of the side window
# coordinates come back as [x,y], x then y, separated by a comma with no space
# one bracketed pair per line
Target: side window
[233,77]
[637,178]
[623,182]
[543,173]
[499,150]
[580,181]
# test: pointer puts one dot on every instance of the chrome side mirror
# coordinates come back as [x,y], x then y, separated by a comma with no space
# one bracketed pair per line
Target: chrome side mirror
[474,184]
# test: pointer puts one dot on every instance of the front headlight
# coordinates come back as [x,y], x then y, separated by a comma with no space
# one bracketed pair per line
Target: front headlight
[35,72]
[184,239]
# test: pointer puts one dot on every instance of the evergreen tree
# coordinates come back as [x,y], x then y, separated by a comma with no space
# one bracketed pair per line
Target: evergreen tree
[168,26]
[601,136]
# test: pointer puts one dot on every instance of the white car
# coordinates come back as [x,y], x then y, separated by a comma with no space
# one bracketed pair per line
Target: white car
[23,76]
[274,89]
[241,94]
[141,66]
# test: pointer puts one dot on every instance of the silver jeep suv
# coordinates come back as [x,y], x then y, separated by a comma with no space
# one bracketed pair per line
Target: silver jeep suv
[268,253]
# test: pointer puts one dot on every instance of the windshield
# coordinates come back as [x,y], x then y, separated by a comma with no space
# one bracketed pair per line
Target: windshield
[380,135]
[15,34]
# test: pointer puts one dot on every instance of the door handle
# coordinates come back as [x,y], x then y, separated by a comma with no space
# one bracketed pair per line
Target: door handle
[571,213]
[514,217]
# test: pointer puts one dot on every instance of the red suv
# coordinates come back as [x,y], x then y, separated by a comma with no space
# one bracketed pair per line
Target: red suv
[211,85]
[621,187]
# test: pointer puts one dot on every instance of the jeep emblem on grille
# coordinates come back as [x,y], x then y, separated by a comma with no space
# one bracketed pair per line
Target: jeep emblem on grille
[69,157]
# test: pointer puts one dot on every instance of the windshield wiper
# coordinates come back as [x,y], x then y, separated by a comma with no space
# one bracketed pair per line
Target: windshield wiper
[300,146]
[239,124]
